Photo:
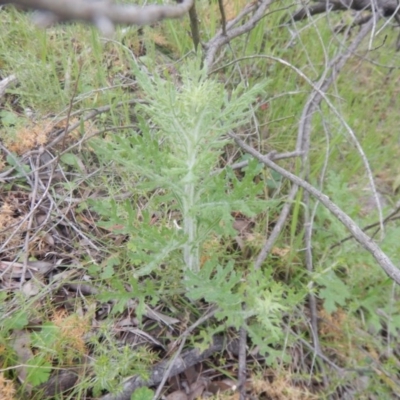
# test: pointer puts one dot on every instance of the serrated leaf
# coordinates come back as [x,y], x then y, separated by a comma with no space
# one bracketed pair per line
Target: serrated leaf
[217,284]
[8,118]
[38,370]
[336,292]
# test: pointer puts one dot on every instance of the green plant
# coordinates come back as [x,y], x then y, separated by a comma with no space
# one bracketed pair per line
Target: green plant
[170,161]
[178,155]
[113,362]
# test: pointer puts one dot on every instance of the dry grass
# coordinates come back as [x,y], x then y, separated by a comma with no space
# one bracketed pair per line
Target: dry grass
[7,389]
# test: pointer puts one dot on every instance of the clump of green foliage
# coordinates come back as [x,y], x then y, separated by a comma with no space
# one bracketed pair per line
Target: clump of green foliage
[173,157]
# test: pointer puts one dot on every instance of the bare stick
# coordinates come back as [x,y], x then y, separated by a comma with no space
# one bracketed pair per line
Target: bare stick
[194,26]
[387,7]
[392,216]
[223,17]
[273,155]
[242,363]
[167,372]
[103,13]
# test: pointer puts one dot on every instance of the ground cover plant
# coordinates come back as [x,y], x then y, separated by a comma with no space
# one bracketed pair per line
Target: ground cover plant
[199,208]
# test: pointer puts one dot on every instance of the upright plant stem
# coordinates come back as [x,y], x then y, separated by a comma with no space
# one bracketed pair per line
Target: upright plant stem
[190,248]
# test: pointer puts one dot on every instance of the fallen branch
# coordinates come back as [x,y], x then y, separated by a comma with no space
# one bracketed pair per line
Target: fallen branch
[180,364]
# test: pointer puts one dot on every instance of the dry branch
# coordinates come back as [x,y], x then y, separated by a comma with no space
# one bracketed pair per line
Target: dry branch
[102,13]
[386,8]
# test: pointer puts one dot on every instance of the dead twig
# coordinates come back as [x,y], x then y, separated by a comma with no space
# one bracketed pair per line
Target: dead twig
[273,155]
[392,216]
[194,26]
[102,13]
[242,362]
[167,372]
[388,8]
[223,17]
